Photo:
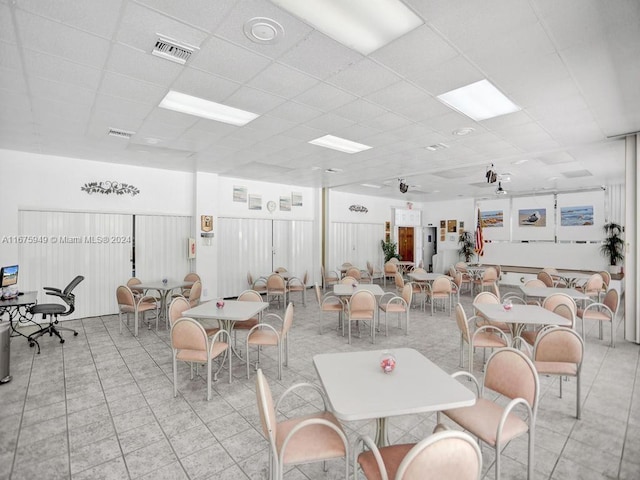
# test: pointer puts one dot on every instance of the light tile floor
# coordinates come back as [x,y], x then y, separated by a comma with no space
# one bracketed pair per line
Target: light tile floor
[101,406]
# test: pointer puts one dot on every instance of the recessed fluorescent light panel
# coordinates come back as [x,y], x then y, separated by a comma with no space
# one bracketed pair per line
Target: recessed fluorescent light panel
[340,144]
[480,101]
[181,102]
[363,25]
[370,185]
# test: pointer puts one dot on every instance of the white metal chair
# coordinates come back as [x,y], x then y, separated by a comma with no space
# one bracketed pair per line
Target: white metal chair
[511,374]
[316,437]
[361,307]
[128,303]
[400,305]
[266,335]
[329,303]
[605,311]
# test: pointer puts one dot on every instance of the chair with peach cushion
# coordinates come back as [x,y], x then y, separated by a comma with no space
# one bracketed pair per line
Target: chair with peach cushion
[189,277]
[489,297]
[361,307]
[195,292]
[483,337]
[400,305]
[266,335]
[248,296]
[354,272]
[593,287]
[314,437]
[445,454]
[138,306]
[329,278]
[259,284]
[190,343]
[605,311]
[546,278]
[276,288]
[375,273]
[348,280]
[606,280]
[295,284]
[552,303]
[513,376]
[488,279]
[328,303]
[390,270]
[559,351]
[440,289]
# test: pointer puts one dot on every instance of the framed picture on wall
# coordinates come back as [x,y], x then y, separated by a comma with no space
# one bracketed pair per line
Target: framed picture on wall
[296,199]
[492,218]
[255,202]
[532,217]
[452,226]
[576,216]
[442,234]
[443,223]
[239,194]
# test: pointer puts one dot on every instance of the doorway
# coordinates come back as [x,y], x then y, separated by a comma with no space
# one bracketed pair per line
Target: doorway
[405,243]
[430,247]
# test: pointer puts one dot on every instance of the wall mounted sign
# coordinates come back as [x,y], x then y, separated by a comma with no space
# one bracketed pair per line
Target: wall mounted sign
[358,209]
[108,187]
[239,194]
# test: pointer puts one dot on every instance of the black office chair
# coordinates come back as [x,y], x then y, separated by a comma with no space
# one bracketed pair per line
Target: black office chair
[55,310]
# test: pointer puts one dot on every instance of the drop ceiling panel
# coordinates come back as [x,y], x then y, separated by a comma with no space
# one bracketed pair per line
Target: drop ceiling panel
[281,80]
[364,77]
[325,97]
[319,56]
[7,32]
[59,40]
[142,65]
[449,75]
[62,92]
[253,100]
[232,27]
[11,81]
[203,14]
[61,70]
[294,112]
[204,85]
[131,89]
[94,16]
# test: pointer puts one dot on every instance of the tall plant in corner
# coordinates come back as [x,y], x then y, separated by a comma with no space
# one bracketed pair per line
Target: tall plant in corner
[389,250]
[467,246]
[613,245]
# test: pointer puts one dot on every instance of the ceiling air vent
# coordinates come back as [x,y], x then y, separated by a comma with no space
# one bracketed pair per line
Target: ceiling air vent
[117,132]
[172,50]
[437,146]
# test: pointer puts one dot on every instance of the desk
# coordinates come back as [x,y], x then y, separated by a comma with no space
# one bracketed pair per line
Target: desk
[520,315]
[164,289]
[18,310]
[358,389]
[232,312]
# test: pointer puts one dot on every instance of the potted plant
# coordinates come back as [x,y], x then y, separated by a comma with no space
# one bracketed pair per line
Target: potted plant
[467,246]
[389,250]
[613,246]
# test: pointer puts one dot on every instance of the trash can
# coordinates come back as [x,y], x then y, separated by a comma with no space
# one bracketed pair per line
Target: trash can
[5,337]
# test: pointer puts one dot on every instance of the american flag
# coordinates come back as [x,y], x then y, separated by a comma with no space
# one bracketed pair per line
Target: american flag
[479,238]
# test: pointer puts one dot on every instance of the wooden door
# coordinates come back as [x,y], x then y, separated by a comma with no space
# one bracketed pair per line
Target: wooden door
[405,243]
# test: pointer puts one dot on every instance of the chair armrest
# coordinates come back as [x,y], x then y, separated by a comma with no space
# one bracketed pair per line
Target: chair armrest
[463,373]
[507,410]
[390,295]
[51,289]
[494,329]
[597,305]
[56,293]
[216,338]
[298,386]
[366,441]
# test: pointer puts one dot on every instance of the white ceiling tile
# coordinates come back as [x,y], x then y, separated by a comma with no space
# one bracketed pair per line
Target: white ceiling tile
[7,32]
[204,85]
[400,54]
[364,77]
[94,16]
[226,60]
[203,14]
[295,112]
[124,107]
[282,80]
[448,75]
[303,133]
[232,28]
[9,57]
[142,65]
[329,122]
[131,89]
[12,80]
[319,56]
[59,40]
[324,97]
[140,27]
[62,92]
[359,110]
[253,100]
[60,70]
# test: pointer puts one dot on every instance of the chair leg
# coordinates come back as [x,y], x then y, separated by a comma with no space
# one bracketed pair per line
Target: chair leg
[175,375]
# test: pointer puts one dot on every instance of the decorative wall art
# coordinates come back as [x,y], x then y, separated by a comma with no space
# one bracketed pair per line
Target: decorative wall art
[206,223]
[255,202]
[442,233]
[492,218]
[452,226]
[580,216]
[239,194]
[285,204]
[296,199]
[532,217]
[443,224]
[108,187]
[358,209]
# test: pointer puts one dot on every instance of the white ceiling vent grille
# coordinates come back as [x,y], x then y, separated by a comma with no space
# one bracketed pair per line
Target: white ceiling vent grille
[117,132]
[173,50]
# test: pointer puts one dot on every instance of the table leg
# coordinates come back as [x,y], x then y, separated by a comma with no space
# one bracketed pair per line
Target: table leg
[227,326]
[382,436]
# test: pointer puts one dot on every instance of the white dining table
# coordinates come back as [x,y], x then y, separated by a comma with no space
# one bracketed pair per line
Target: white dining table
[164,289]
[233,311]
[424,277]
[543,292]
[345,290]
[519,316]
[358,389]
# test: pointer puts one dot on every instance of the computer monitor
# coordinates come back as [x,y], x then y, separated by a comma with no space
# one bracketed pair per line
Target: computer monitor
[9,275]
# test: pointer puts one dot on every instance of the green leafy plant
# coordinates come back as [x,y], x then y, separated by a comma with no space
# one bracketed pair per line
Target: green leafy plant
[613,246]
[467,246]
[389,249]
